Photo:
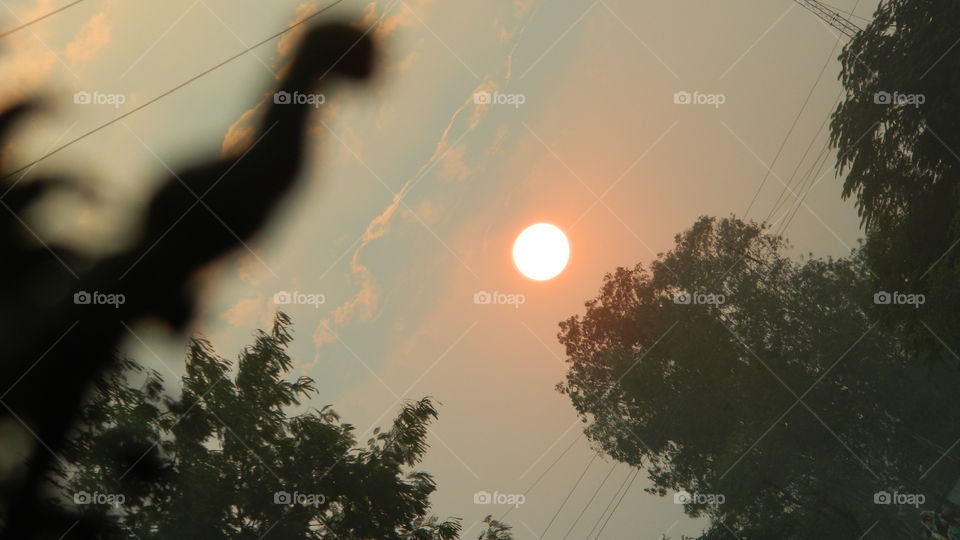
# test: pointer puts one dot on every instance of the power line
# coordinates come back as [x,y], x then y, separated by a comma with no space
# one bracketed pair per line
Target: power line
[812,181]
[781,198]
[565,499]
[834,19]
[38,19]
[614,511]
[831,17]
[804,186]
[630,472]
[807,183]
[544,473]
[174,89]
[592,497]
[845,12]
[793,126]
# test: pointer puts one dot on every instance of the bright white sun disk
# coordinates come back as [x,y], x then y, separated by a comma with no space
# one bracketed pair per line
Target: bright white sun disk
[541,251]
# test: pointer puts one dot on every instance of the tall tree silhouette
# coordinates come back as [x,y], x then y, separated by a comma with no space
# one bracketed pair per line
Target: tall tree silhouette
[55,345]
[897,133]
[762,387]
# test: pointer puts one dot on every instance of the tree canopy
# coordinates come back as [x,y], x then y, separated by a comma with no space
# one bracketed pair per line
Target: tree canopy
[227,459]
[897,135]
[758,388]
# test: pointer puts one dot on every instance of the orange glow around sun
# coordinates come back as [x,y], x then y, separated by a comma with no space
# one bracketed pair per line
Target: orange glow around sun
[541,251]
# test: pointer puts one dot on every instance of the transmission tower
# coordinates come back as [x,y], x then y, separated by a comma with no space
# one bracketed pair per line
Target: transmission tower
[831,17]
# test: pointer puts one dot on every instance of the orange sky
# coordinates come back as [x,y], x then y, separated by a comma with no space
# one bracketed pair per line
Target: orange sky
[416,194]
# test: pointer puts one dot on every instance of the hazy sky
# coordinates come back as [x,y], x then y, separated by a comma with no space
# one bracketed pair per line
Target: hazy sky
[415,194]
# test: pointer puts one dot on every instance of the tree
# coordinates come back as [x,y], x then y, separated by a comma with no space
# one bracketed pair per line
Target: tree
[226,460]
[897,133]
[496,530]
[51,293]
[758,388]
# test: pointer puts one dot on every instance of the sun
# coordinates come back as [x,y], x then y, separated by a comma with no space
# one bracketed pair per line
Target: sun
[541,251]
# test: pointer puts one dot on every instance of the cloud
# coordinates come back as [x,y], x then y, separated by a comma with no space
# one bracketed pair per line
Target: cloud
[240,133]
[496,146]
[288,42]
[251,269]
[453,167]
[25,60]
[427,211]
[245,313]
[361,306]
[447,157]
[387,22]
[402,65]
[94,35]
[28,57]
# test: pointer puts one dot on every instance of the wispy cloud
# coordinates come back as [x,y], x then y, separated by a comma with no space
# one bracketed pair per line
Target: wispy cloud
[92,37]
[246,313]
[26,60]
[452,166]
[241,133]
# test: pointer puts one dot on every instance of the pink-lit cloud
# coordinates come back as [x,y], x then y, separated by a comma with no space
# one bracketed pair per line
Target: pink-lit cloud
[92,37]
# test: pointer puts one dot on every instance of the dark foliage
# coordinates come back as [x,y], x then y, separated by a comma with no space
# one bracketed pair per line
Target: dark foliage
[54,348]
[784,398]
[897,133]
[235,463]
